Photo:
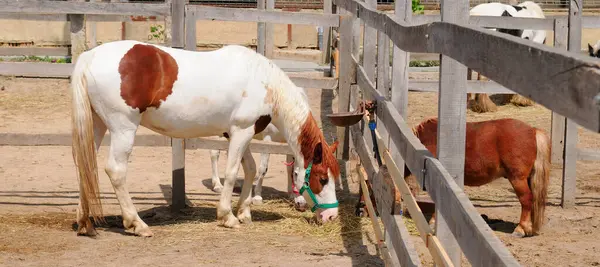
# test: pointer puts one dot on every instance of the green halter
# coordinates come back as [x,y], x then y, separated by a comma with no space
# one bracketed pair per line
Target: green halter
[306,187]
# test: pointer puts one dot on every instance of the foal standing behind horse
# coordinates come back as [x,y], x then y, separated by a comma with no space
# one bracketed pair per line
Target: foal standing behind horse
[232,91]
[503,148]
[271,133]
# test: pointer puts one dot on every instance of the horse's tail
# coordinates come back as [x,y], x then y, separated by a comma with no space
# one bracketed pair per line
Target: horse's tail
[539,179]
[84,150]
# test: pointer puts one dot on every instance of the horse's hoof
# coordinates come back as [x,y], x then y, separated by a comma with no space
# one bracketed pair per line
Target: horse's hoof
[217,188]
[144,232]
[86,228]
[231,221]
[245,218]
[519,232]
[257,200]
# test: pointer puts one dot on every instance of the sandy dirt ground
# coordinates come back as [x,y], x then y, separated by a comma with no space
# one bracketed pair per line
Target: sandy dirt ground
[38,198]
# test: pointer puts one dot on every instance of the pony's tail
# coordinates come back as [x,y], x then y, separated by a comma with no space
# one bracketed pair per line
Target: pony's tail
[83,149]
[539,179]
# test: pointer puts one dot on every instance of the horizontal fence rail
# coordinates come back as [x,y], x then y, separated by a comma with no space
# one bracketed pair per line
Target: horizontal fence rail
[253,15]
[97,8]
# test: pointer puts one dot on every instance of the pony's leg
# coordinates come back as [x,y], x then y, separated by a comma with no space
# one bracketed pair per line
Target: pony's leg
[121,144]
[238,143]
[214,161]
[525,227]
[245,200]
[84,224]
[260,175]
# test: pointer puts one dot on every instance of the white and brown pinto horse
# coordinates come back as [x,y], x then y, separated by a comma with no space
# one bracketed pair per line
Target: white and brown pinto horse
[233,91]
[271,134]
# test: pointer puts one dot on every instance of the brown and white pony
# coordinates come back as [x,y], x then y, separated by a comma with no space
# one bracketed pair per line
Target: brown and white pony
[232,91]
[503,148]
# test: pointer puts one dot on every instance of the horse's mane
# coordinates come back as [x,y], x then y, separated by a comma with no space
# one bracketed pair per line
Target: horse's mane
[309,137]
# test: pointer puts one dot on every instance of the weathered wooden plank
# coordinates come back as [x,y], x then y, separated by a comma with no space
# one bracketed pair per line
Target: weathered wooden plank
[549,75]
[383,69]
[59,139]
[271,16]
[60,70]
[557,134]
[487,87]
[452,119]
[269,32]
[400,82]
[512,22]
[94,18]
[261,30]
[78,33]
[439,255]
[569,182]
[223,144]
[34,51]
[177,19]
[369,45]
[178,174]
[327,83]
[588,154]
[327,36]
[149,140]
[98,8]
[190,30]
[345,80]
[400,240]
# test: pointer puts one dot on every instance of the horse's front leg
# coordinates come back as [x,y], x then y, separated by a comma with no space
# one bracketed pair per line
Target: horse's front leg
[249,166]
[238,143]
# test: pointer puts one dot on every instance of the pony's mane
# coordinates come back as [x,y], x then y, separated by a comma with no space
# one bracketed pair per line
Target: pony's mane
[423,124]
[310,136]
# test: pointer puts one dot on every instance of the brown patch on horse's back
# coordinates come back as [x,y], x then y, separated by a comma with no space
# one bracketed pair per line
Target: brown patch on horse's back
[244,93]
[310,135]
[147,76]
[261,123]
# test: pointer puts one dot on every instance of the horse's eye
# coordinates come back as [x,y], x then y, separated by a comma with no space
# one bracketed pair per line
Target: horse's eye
[323,181]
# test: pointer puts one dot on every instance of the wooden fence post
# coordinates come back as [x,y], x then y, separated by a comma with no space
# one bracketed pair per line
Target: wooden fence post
[452,122]
[179,39]
[269,32]
[326,48]
[261,29]
[345,81]
[569,183]
[558,121]
[78,36]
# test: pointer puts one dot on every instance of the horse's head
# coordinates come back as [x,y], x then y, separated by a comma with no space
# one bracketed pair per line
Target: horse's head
[316,176]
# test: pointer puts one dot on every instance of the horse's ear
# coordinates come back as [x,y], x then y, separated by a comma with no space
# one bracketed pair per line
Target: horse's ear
[591,50]
[318,154]
[334,146]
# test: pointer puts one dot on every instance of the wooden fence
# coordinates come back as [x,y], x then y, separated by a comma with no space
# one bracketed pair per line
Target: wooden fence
[542,73]
[549,73]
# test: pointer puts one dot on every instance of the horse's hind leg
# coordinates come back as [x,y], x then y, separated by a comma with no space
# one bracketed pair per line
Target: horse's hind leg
[84,224]
[214,161]
[525,227]
[121,144]
[260,175]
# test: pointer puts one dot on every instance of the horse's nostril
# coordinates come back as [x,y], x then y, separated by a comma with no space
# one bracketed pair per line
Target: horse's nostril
[331,218]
